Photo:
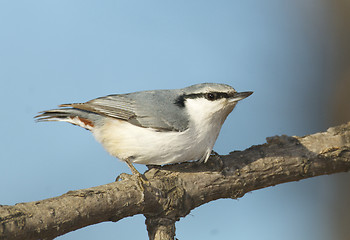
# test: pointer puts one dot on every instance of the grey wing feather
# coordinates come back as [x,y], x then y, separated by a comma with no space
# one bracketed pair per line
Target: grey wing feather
[150,109]
[116,106]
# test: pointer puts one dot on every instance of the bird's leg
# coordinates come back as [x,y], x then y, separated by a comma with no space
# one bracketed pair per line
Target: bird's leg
[218,159]
[214,153]
[137,173]
[132,168]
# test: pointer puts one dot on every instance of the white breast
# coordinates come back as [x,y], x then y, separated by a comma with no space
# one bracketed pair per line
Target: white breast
[148,146]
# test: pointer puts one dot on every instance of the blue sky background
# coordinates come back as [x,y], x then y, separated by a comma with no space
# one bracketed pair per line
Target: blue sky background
[54,52]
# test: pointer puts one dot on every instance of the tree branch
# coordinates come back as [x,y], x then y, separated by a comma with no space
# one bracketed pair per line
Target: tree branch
[174,190]
[160,228]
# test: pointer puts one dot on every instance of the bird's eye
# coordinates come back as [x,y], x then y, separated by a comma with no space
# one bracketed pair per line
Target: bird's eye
[211,96]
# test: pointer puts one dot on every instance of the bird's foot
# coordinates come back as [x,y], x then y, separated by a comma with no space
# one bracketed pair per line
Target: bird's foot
[123,176]
[141,180]
[217,160]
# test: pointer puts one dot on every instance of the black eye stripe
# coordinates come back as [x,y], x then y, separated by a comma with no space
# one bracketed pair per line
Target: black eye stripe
[211,96]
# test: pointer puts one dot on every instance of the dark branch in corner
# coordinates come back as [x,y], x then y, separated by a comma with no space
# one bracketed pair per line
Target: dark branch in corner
[175,190]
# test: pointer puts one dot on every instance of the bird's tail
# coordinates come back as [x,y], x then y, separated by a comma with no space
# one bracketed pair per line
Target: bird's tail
[74,116]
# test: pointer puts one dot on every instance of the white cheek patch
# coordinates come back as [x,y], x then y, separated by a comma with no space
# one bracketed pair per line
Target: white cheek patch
[201,109]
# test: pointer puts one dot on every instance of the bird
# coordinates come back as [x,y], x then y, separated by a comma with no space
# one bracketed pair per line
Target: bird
[154,127]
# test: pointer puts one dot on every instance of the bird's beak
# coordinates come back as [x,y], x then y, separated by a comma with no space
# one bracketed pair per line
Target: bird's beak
[239,96]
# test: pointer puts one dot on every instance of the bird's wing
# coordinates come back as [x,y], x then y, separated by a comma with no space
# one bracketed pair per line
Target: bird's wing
[111,106]
[143,110]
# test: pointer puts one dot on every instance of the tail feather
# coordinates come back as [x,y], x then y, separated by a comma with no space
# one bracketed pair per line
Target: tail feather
[74,116]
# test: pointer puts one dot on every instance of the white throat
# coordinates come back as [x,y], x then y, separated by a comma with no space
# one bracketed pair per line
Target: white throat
[206,114]
[206,119]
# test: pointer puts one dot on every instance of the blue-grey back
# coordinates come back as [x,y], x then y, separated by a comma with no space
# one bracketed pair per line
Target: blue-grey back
[159,109]
[155,109]
[163,110]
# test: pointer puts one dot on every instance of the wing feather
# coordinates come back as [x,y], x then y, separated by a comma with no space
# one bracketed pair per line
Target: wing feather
[157,112]
[115,107]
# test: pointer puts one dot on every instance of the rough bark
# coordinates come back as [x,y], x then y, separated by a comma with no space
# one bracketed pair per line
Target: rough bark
[172,191]
[160,228]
